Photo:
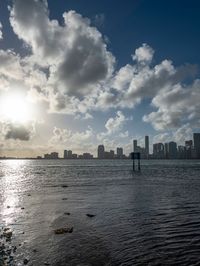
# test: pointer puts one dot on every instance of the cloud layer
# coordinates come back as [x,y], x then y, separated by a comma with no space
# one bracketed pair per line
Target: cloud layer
[68,69]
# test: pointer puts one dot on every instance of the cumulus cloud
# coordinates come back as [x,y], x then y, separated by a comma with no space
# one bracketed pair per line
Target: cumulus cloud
[77,140]
[143,54]
[133,83]
[74,53]
[17,131]
[179,135]
[116,123]
[1,33]
[176,105]
[10,65]
[69,69]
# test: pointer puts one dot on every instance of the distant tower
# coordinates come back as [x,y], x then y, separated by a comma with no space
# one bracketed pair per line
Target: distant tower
[65,154]
[69,154]
[135,145]
[196,137]
[172,150]
[100,152]
[119,152]
[147,146]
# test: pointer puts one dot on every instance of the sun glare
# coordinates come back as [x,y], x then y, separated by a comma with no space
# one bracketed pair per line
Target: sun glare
[15,108]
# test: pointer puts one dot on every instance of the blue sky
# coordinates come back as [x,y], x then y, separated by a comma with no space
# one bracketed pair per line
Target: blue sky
[139,77]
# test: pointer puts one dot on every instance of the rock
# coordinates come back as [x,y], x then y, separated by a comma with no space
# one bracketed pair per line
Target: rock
[90,215]
[64,198]
[46,263]
[26,261]
[64,186]
[22,208]
[29,195]
[67,213]
[7,234]
[8,207]
[63,230]
[34,250]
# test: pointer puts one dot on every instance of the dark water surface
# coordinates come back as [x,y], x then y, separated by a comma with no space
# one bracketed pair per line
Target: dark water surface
[146,218]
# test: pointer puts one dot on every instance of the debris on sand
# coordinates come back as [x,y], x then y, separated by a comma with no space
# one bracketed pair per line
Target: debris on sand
[63,230]
[64,198]
[90,215]
[67,213]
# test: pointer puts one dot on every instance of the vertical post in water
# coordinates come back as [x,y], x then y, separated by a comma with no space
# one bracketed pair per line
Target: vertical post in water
[133,163]
[139,162]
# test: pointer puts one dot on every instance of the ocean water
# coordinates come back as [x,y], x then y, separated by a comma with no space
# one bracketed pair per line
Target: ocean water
[150,217]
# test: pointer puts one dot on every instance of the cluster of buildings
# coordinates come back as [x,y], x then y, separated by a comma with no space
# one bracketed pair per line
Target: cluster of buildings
[68,154]
[102,154]
[170,150]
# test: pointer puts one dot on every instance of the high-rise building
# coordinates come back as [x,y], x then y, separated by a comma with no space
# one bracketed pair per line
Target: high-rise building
[158,151]
[196,137]
[119,152]
[172,148]
[135,145]
[69,154]
[147,146]
[100,151]
[188,149]
[181,152]
[112,154]
[65,154]
[166,150]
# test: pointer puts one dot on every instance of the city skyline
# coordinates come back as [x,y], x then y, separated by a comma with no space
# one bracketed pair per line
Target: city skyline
[170,150]
[167,150]
[75,75]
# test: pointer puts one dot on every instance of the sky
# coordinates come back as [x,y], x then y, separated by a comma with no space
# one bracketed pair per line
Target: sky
[76,74]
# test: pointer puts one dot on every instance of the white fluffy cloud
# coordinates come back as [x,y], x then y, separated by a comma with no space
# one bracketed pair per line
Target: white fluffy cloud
[74,53]
[1,33]
[68,69]
[116,123]
[176,105]
[143,54]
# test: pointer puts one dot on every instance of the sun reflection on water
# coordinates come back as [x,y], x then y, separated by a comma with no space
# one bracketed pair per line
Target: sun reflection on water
[12,175]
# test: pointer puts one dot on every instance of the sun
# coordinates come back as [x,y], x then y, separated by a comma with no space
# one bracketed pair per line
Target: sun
[15,108]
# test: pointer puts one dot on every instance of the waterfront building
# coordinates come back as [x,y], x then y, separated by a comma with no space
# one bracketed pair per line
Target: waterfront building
[158,151]
[172,149]
[196,137]
[100,152]
[147,146]
[119,153]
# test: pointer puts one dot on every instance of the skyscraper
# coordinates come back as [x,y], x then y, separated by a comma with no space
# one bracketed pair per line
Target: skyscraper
[147,146]
[158,150]
[196,137]
[135,145]
[172,148]
[65,154]
[119,152]
[100,151]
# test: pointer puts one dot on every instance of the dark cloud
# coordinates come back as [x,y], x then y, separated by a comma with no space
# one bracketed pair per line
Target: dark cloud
[18,132]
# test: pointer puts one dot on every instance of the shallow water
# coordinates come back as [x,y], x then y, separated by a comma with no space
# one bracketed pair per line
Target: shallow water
[146,218]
